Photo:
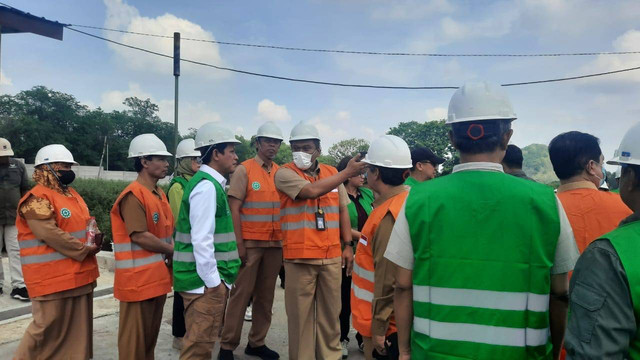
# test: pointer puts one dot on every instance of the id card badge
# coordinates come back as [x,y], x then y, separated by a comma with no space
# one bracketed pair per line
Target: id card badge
[320,225]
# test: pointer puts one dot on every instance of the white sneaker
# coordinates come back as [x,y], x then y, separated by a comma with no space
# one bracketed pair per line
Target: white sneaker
[248,315]
[345,351]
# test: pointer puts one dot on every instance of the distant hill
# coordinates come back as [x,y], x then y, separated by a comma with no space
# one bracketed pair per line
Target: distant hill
[537,164]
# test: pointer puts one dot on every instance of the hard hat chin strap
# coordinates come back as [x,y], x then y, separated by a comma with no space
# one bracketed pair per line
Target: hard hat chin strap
[200,159]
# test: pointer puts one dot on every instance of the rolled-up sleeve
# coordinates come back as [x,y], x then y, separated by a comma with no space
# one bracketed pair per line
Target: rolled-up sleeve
[601,322]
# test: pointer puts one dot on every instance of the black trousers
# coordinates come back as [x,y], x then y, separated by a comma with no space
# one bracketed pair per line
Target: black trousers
[345,313]
[177,324]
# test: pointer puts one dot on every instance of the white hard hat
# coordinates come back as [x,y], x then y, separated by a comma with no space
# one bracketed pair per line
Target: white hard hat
[629,150]
[479,101]
[304,131]
[5,147]
[54,153]
[389,151]
[270,130]
[147,145]
[212,133]
[186,148]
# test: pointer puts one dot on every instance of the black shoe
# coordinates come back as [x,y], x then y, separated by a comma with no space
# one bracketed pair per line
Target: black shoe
[225,355]
[263,352]
[20,294]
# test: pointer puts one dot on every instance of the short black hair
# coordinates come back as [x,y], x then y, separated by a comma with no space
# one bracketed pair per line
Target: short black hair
[137,164]
[391,176]
[570,153]
[477,137]
[513,157]
[343,165]
[207,152]
[316,142]
[636,171]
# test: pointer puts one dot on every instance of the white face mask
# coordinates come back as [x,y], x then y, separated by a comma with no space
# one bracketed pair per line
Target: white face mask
[302,160]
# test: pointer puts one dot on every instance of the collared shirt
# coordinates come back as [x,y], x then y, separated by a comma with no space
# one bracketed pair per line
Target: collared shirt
[202,216]
[13,184]
[591,212]
[238,189]
[384,270]
[400,248]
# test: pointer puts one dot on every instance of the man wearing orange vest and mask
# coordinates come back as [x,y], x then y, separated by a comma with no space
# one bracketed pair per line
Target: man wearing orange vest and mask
[142,226]
[579,164]
[255,209]
[58,261]
[372,288]
[314,217]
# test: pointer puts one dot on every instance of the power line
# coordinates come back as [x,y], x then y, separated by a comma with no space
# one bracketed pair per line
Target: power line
[590,53]
[351,85]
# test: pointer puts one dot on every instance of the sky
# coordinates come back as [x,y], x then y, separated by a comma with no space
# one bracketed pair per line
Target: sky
[101,74]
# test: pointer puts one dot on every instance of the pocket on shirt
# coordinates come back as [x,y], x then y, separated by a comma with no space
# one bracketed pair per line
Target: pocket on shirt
[585,306]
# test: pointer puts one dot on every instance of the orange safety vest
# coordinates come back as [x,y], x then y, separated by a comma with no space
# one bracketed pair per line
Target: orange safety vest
[141,274]
[45,270]
[363,269]
[298,221]
[260,212]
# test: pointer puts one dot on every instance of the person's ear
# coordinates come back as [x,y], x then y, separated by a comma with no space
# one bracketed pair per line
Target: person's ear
[505,139]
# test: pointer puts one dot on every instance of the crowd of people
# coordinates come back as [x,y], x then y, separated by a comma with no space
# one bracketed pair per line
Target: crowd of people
[483,263]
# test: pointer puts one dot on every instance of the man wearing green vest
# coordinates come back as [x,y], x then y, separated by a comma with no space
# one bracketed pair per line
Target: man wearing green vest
[187,166]
[205,258]
[482,256]
[605,286]
[425,165]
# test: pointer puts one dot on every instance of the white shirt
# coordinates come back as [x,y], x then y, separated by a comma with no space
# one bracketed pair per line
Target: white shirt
[400,249]
[202,217]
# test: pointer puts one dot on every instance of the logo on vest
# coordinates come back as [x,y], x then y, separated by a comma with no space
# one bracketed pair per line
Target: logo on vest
[255,185]
[156,217]
[66,213]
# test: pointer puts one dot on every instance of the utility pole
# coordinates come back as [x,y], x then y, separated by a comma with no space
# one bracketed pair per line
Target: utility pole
[176,75]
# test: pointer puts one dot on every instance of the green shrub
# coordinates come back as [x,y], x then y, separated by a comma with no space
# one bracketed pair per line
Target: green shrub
[100,195]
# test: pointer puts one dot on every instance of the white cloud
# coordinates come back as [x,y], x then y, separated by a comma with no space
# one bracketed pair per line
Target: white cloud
[411,9]
[122,16]
[5,80]
[629,41]
[343,116]
[191,115]
[437,113]
[268,110]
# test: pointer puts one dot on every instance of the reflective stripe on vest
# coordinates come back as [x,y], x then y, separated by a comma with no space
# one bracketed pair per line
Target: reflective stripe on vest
[261,205]
[259,218]
[362,294]
[499,300]
[217,239]
[131,263]
[45,270]
[365,274]
[485,334]
[131,246]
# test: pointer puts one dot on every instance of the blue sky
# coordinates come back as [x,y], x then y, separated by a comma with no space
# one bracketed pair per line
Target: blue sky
[99,74]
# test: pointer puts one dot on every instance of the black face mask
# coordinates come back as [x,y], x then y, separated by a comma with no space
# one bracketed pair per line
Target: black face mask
[66,176]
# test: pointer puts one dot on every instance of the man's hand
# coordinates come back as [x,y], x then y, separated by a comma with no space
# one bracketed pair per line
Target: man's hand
[347,259]
[93,249]
[355,167]
[242,252]
[378,344]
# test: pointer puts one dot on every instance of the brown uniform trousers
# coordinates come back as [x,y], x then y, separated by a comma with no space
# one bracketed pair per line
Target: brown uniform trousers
[62,328]
[203,318]
[139,327]
[258,278]
[312,301]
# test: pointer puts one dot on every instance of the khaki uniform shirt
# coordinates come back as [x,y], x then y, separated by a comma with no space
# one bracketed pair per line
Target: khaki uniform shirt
[133,211]
[291,184]
[238,189]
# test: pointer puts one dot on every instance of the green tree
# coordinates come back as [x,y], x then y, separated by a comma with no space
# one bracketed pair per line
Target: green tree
[431,134]
[348,147]
[537,164]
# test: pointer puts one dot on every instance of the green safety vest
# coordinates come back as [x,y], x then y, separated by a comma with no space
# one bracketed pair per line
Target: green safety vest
[185,276]
[484,244]
[411,182]
[626,240]
[180,180]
